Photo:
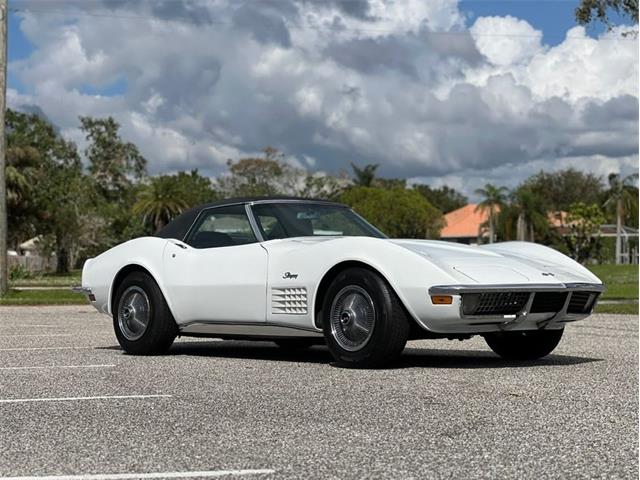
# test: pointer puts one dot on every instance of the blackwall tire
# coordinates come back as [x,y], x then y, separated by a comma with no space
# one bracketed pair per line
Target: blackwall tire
[524,345]
[141,318]
[364,322]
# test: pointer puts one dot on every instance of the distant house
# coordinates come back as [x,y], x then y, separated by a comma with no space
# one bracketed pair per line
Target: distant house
[629,242]
[30,247]
[30,257]
[465,225]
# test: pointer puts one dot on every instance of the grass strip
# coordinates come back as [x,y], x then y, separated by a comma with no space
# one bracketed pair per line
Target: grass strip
[43,297]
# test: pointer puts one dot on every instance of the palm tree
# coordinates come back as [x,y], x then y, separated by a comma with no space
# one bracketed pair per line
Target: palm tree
[622,194]
[22,164]
[365,176]
[23,171]
[494,198]
[160,201]
[531,211]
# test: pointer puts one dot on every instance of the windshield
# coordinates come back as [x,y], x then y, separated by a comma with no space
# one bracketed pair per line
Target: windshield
[285,220]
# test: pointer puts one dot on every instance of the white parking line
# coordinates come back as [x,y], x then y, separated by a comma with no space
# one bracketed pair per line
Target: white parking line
[72,399]
[37,335]
[32,326]
[127,476]
[57,366]
[43,348]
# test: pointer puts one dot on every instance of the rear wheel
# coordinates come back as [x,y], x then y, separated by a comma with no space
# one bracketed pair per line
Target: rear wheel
[524,345]
[141,318]
[363,320]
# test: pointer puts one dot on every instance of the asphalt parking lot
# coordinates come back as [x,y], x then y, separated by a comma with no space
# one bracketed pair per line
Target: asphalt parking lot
[71,403]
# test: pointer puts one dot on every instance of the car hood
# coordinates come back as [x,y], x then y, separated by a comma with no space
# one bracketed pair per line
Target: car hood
[497,264]
[482,264]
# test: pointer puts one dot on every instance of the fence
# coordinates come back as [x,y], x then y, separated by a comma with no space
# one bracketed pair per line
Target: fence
[32,263]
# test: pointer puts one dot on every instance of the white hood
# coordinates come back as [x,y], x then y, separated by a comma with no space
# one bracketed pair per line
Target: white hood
[501,263]
[498,263]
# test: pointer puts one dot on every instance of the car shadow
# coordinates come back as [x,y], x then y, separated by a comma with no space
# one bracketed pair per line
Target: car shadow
[445,358]
[411,357]
[253,351]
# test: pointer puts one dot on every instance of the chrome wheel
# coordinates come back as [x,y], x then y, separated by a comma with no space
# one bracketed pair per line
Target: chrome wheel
[352,318]
[133,313]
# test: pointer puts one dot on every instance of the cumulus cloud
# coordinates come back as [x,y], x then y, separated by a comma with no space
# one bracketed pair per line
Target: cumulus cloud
[506,40]
[401,83]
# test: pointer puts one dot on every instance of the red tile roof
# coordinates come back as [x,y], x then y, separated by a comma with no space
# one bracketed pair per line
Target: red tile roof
[464,222]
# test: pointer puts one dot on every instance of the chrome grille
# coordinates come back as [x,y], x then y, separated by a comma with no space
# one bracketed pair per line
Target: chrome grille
[291,301]
[495,303]
[548,302]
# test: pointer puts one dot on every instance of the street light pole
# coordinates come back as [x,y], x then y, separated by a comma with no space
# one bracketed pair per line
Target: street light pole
[4,268]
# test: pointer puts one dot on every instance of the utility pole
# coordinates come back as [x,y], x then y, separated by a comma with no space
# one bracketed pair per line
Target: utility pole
[4,268]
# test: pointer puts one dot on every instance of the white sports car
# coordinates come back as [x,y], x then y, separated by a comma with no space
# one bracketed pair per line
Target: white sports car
[301,272]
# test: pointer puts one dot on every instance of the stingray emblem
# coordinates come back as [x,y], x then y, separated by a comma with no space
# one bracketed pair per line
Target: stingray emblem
[290,276]
[547,274]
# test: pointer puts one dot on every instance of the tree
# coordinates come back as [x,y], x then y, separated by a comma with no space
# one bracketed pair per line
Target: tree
[48,191]
[531,214]
[197,189]
[271,175]
[321,185]
[365,176]
[67,209]
[623,196]
[255,176]
[115,167]
[32,144]
[22,172]
[160,201]
[493,199]
[113,162]
[583,239]
[389,183]
[559,190]
[590,11]
[399,212]
[166,196]
[445,199]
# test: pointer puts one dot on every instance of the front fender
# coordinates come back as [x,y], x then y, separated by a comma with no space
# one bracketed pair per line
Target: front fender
[99,273]
[408,273]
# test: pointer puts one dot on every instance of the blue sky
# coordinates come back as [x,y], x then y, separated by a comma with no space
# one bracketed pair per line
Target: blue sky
[552,17]
[18,48]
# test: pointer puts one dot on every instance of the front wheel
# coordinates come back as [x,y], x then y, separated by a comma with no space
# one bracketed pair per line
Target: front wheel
[141,317]
[363,320]
[525,344]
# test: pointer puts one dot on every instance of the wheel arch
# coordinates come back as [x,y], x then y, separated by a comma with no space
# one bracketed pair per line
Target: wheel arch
[122,274]
[334,271]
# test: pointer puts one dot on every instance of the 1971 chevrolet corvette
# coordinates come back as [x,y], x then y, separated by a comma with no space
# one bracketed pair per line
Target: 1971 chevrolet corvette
[301,272]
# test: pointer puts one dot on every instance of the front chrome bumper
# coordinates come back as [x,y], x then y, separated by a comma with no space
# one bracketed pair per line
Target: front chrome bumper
[85,291]
[519,287]
[522,314]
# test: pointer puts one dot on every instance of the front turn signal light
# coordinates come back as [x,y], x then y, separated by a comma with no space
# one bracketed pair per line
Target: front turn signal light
[441,299]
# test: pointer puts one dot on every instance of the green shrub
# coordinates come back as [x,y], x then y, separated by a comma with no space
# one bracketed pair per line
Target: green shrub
[18,272]
[398,212]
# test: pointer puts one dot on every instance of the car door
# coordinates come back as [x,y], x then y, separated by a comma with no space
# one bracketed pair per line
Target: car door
[219,273]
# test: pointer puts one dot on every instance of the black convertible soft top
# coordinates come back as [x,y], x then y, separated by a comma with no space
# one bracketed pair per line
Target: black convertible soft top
[180,225]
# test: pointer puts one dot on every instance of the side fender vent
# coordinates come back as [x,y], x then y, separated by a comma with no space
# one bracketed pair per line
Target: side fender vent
[291,301]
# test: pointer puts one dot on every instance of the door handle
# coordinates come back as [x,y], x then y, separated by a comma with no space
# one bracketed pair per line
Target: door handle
[179,244]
